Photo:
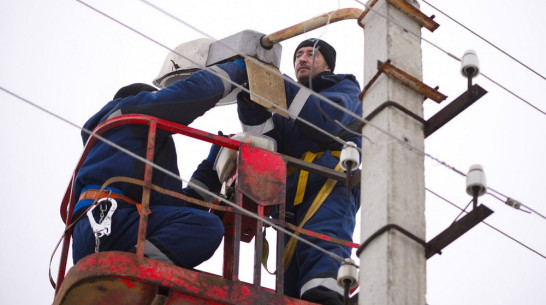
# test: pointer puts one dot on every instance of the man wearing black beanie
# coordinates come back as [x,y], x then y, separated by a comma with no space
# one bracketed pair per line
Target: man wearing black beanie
[310,274]
[308,63]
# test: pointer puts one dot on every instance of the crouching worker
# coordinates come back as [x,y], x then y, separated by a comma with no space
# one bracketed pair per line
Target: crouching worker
[178,233]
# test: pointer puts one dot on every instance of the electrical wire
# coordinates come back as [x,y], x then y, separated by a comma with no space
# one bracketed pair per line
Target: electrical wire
[326,133]
[401,141]
[315,94]
[418,36]
[171,174]
[343,109]
[487,224]
[523,205]
[485,40]
[70,123]
[458,59]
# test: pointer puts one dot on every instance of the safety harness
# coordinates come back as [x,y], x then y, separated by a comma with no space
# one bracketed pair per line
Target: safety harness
[315,205]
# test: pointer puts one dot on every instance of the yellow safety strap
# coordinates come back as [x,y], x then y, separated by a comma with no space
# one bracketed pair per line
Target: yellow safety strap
[298,199]
[315,205]
[304,175]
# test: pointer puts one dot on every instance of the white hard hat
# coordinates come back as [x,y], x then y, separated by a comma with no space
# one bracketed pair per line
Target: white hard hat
[183,61]
[186,59]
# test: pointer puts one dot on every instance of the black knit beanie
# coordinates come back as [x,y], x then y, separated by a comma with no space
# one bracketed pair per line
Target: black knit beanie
[325,49]
[133,89]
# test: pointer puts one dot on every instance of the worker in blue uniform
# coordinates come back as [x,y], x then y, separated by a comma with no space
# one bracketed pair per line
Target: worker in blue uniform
[177,232]
[311,274]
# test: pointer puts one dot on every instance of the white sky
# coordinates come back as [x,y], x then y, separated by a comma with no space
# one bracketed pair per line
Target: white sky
[70,60]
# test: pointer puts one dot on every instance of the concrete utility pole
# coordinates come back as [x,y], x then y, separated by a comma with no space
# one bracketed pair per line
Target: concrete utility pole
[392,265]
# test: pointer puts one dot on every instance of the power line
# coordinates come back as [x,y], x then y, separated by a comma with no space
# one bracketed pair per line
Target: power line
[401,141]
[513,94]
[485,40]
[329,101]
[175,176]
[336,138]
[509,199]
[163,170]
[487,224]
[450,55]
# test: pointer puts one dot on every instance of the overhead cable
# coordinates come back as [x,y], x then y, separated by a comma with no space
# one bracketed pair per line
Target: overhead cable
[336,138]
[487,224]
[485,40]
[450,55]
[171,174]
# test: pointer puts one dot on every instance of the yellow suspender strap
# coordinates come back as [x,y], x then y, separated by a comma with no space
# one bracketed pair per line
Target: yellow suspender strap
[315,205]
[302,181]
[304,175]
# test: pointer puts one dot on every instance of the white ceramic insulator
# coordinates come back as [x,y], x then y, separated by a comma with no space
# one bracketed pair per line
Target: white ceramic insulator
[349,153]
[476,179]
[347,272]
[470,65]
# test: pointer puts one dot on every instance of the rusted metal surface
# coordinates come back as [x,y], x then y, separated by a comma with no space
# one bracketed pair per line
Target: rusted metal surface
[117,278]
[311,24]
[146,191]
[415,14]
[232,239]
[324,171]
[370,84]
[126,278]
[136,119]
[69,200]
[368,8]
[410,81]
[262,176]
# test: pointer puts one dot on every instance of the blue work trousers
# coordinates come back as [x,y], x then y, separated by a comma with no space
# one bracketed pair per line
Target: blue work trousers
[183,236]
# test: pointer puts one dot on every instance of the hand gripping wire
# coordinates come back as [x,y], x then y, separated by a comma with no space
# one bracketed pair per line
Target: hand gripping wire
[104,226]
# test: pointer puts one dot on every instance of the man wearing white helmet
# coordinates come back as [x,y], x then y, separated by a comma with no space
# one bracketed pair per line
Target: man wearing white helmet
[178,233]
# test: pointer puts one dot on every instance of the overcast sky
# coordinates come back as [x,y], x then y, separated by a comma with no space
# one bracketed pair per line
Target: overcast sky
[70,60]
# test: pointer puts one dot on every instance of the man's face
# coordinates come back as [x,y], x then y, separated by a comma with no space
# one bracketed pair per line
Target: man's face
[304,60]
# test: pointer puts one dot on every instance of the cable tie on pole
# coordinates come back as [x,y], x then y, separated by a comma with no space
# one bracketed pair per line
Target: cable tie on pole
[385,229]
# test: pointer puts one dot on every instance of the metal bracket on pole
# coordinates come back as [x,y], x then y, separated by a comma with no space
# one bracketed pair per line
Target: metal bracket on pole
[406,80]
[456,230]
[415,14]
[453,109]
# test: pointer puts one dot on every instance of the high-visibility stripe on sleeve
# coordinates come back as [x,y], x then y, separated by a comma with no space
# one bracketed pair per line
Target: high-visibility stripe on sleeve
[298,102]
[153,252]
[259,129]
[330,283]
[115,114]
[224,77]
[205,194]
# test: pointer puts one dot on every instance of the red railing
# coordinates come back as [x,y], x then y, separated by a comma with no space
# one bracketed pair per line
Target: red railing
[69,199]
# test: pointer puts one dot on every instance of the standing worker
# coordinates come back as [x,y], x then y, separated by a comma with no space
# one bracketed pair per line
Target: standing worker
[177,232]
[310,274]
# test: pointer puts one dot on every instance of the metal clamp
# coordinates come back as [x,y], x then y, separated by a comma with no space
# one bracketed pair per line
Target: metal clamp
[104,227]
